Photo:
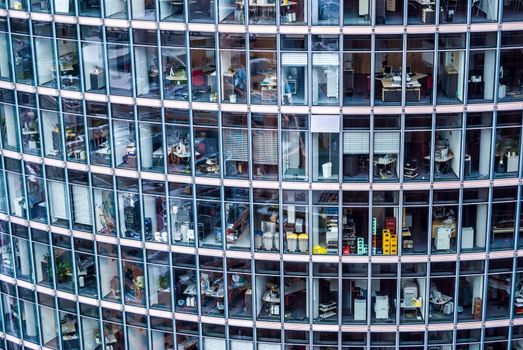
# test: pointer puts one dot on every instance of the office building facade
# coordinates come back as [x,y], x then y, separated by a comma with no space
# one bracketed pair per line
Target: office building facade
[291,174]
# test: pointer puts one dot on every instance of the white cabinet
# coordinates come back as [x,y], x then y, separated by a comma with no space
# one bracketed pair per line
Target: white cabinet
[360,309]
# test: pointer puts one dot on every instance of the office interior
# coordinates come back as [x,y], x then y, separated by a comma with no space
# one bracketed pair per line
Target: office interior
[325,12]
[263,67]
[203,69]
[510,74]
[356,70]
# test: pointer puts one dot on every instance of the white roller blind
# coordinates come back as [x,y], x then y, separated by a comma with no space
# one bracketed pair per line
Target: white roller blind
[325,123]
[58,202]
[268,346]
[81,205]
[386,143]
[265,147]
[356,143]
[235,144]
[325,59]
[213,344]
[294,59]
[241,345]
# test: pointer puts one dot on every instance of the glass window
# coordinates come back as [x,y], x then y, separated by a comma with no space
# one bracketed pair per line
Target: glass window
[174,57]
[325,78]
[119,61]
[293,12]
[201,11]
[142,9]
[325,12]
[116,9]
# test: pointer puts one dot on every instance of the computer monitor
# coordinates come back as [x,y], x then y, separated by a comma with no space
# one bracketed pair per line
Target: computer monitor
[387,70]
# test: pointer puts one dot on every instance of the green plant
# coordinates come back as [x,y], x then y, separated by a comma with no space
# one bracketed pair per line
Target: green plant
[63,271]
[163,282]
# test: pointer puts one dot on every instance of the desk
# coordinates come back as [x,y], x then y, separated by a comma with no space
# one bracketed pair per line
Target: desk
[385,166]
[391,91]
[179,76]
[442,163]
[440,301]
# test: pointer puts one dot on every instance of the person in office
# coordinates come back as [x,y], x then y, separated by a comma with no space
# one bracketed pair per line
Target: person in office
[240,77]
[287,91]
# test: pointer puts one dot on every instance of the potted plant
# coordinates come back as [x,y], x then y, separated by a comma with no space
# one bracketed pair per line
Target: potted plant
[63,271]
[163,282]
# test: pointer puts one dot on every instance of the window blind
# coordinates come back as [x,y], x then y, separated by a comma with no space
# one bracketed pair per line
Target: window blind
[265,147]
[294,59]
[214,343]
[58,202]
[356,143]
[81,205]
[325,123]
[325,59]
[386,143]
[235,144]
[241,345]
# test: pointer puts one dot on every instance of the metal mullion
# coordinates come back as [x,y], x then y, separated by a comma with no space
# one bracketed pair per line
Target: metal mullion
[309,85]
[435,69]
[247,55]
[130,44]
[77,303]
[218,79]
[426,306]
[520,165]
[466,68]
[279,70]
[487,261]
[105,61]
[372,75]
[159,51]
[401,159]
[124,326]
[404,62]
[188,68]
[17,301]
[78,44]
[496,82]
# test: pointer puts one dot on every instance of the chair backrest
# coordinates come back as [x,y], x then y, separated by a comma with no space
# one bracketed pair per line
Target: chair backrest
[197,77]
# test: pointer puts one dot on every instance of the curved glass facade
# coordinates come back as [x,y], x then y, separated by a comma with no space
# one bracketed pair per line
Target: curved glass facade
[291,174]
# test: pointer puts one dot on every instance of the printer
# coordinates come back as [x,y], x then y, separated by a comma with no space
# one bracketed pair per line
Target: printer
[409,293]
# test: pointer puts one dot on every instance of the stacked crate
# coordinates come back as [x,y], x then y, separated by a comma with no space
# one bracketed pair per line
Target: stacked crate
[390,224]
[385,241]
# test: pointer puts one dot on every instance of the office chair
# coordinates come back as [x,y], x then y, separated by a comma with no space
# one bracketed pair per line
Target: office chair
[198,83]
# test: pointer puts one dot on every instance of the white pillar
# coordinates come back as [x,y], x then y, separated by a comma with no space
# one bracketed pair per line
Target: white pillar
[149,210]
[481,225]
[146,145]
[30,320]
[24,257]
[484,148]
[10,126]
